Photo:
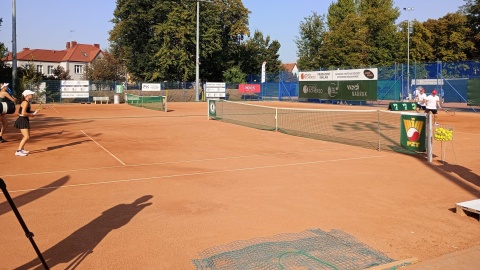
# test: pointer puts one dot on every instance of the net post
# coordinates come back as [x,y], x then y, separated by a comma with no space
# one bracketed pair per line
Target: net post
[378,116]
[276,119]
[429,137]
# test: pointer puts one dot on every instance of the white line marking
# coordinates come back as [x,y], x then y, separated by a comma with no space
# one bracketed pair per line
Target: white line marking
[54,109]
[103,148]
[168,162]
[199,173]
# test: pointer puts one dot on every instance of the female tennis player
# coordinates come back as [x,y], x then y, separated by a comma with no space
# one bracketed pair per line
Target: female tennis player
[5,97]
[23,122]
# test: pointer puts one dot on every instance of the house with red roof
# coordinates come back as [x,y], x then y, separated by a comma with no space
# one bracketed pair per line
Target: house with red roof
[291,67]
[74,58]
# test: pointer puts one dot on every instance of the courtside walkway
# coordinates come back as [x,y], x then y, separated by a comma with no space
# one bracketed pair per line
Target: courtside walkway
[468,259]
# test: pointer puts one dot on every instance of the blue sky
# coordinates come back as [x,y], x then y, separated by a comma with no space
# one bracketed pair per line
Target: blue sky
[49,24]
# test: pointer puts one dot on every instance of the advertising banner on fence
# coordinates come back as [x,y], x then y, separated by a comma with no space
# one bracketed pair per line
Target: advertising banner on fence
[354,84]
[249,88]
[74,89]
[151,87]
[413,132]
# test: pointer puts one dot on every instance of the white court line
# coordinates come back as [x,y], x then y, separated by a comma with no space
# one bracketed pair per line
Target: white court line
[168,162]
[54,109]
[198,173]
[103,148]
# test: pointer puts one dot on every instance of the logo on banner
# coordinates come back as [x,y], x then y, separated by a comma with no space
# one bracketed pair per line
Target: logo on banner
[413,128]
[369,74]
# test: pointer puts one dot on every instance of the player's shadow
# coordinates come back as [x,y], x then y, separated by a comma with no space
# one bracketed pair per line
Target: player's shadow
[50,148]
[463,172]
[33,195]
[82,242]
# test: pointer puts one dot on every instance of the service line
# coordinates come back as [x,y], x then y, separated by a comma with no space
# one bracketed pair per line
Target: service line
[104,148]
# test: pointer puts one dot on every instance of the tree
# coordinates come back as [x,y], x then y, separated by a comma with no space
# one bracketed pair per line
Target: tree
[5,72]
[472,11]
[59,73]
[345,44]
[157,39]
[234,75]
[382,40]
[310,41]
[106,68]
[258,49]
[450,37]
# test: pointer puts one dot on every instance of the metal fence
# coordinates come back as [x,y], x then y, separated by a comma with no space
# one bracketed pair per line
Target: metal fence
[392,84]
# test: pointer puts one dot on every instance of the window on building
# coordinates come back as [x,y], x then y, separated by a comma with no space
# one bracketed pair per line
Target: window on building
[50,70]
[78,69]
[40,69]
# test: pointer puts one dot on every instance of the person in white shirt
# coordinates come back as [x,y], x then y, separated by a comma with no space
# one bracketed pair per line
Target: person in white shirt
[420,98]
[432,105]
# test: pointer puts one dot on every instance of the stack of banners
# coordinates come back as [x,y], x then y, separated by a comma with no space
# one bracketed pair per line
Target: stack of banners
[355,84]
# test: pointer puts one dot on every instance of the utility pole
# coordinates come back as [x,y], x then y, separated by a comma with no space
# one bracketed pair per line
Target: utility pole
[14,44]
[197,54]
[408,9]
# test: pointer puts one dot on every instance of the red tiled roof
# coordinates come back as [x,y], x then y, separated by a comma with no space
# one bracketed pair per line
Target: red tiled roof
[76,53]
[289,66]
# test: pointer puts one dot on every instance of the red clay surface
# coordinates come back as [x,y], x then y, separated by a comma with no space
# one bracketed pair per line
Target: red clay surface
[119,187]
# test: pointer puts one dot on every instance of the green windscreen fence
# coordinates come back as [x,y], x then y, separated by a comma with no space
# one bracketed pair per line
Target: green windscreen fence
[149,102]
[473,92]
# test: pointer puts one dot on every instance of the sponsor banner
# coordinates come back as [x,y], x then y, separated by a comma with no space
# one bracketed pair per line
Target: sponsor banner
[215,85]
[212,109]
[151,87]
[427,82]
[413,132]
[249,88]
[75,95]
[215,95]
[215,89]
[263,71]
[340,75]
[74,89]
[341,90]
[316,76]
[74,83]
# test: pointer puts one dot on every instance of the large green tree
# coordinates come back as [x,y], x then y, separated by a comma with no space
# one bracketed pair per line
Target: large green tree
[472,11]
[450,37]
[382,40]
[257,49]
[106,68]
[157,39]
[309,42]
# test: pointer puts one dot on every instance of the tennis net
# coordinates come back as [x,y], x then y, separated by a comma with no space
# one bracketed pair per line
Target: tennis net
[149,102]
[377,129]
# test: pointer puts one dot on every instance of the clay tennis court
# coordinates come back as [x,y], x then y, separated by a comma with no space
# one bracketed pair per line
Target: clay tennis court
[119,187]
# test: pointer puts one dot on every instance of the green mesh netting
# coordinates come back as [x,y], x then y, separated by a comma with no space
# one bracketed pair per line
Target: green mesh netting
[310,249]
[149,102]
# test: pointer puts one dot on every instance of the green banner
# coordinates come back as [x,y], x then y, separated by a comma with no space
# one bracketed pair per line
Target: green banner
[402,106]
[342,90]
[473,92]
[413,132]
[212,109]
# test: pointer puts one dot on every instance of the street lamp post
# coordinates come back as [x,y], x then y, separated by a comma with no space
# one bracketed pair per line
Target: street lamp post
[197,54]
[408,9]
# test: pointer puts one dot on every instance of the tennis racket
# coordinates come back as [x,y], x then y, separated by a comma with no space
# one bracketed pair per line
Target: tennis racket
[40,107]
[450,111]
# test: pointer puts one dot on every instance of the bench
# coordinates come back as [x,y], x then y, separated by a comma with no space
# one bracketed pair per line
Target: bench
[468,206]
[101,99]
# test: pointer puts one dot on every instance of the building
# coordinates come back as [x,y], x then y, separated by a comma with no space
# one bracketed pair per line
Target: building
[292,68]
[73,58]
